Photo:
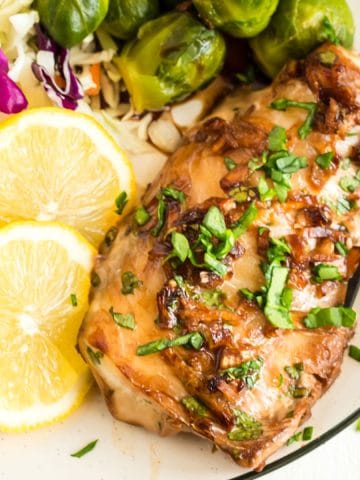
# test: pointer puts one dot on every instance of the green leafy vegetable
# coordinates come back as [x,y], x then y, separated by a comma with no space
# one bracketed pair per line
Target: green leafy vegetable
[125,320]
[324,160]
[181,247]
[330,317]
[194,406]
[323,272]
[193,339]
[213,298]
[73,299]
[129,283]
[120,202]
[294,438]
[160,212]
[248,371]
[229,163]
[275,310]
[311,107]
[247,427]
[266,193]
[248,294]
[214,221]
[354,352]
[80,453]
[247,218]
[141,216]
[174,194]
[277,139]
[213,264]
[307,433]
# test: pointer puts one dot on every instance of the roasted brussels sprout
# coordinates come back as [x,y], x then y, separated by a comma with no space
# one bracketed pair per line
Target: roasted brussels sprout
[70,21]
[125,17]
[239,18]
[299,26]
[171,57]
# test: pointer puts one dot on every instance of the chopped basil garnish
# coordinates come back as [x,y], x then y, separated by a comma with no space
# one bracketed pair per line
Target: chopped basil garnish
[247,427]
[266,193]
[294,371]
[125,320]
[214,221]
[248,371]
[324,160]
[311,107]
[213,264]
[354,352]
[229,163]
[278,249]
[247,218]
[323,272]
[95,356]
[307,433]
[277,306]
[277,139]
[73,299]
[141,216]
[294,438]
[80,453]
[341,248]
[181,247]
[193,339]
[173,193]
[160,212]
[120,202]
[299,392]
[194,406]
[330,316]
[129,283]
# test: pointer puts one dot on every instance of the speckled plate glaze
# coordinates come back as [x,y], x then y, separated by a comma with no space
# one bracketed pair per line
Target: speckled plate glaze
[124,452]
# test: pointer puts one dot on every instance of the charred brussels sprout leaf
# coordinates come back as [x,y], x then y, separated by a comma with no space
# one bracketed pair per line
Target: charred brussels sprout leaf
[171,57]
[239,18]
[125,17]
[70,21]
[298,26]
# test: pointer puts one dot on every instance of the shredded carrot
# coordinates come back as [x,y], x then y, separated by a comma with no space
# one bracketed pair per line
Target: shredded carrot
[95,74]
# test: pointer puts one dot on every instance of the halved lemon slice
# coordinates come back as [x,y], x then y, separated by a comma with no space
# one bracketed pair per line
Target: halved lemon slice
[59,165]
[44,285]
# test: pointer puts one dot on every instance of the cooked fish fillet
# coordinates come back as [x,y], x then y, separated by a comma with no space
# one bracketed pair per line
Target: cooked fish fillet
[244,379]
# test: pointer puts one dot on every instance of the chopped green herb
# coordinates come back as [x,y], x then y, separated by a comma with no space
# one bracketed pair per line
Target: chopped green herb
[349,184]
[341,248]
[266,193]
[80,453]
[295,438]
[73,299]
[120,202]
[343,206]
[324,160]
[278,249]
[277,139]
[354,352]
[290,163]
[173,193]
[323,272]
[181,247]
[110,236]
[327,58]
[240,194]
[141,216]
[248,371]
[247,427]
[193,339]
[125,320]
[213,298]
[275,311]
[307,433]
[330,316]
[248,217]
[311,107]
[161,210]
[194,406]
[214,221]
[294,371]
[95,356]
[248,294]
[298,392]
[213,264]
[229,163]
[129,283]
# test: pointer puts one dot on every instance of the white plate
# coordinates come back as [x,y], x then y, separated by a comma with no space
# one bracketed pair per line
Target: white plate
[130,453]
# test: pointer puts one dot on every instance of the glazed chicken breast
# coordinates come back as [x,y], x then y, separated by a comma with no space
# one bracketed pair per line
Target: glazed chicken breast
[217,306]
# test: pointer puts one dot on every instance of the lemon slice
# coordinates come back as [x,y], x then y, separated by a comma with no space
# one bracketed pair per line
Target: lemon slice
[59,165]
[44,285]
